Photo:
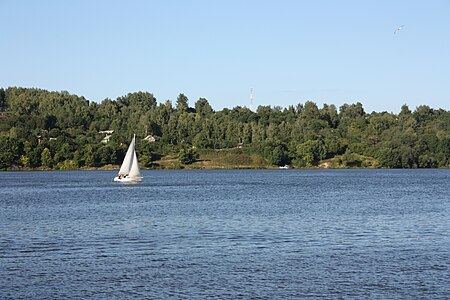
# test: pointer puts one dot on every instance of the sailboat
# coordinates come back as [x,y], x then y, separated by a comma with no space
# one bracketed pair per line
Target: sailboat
[129,171]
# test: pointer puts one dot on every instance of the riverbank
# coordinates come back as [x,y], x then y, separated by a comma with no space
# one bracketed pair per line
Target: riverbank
[230,160]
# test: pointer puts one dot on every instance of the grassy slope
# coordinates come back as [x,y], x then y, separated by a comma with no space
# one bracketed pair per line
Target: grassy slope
[218,159]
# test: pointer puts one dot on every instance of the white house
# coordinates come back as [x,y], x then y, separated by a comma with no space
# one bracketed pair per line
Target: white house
[150,138]
[106,139]
[107,131]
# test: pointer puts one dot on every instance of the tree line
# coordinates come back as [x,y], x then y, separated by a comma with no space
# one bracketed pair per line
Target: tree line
[59,130]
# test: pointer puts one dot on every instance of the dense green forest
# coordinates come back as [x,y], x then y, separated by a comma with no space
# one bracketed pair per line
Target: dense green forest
[42,129]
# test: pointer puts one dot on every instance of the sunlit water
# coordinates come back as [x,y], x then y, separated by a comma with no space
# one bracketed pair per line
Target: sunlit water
[278,234]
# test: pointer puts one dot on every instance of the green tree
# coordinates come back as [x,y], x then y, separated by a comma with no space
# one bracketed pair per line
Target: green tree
[105,155]
[187,156]
[3,105]
[147,154]
[389,158]
[64,153]
[50,122]
[278,155]
[46,158]
[91,157]
[182,103]
[350,159]
[427,161]
[10,151]
[203,108]
[309,153]
[25,161]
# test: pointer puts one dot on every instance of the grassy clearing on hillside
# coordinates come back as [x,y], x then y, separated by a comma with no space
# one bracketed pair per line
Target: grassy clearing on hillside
[217,159]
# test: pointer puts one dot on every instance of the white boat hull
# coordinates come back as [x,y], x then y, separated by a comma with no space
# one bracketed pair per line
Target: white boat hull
[128,179]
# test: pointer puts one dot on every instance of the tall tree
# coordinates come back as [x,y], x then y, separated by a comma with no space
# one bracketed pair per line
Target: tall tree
[182,103]
[2,100]
[203,108]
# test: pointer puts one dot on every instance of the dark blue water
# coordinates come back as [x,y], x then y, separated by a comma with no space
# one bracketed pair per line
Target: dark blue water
[278,234]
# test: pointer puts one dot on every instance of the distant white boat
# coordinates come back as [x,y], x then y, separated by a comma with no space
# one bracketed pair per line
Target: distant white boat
[285,167]
[129,171]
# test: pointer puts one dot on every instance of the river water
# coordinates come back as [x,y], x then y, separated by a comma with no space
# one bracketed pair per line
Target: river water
[240,234]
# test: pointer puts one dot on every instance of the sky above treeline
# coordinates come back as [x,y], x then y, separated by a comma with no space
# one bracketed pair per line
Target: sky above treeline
[287,51]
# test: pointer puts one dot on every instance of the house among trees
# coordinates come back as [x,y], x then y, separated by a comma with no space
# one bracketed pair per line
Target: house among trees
[107,132]
[150,138]
[106,139]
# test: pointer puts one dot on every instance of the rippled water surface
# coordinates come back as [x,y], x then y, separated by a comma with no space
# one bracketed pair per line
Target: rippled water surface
[278,234]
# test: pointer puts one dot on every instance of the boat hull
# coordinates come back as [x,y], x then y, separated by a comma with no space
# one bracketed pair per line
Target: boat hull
[128,179]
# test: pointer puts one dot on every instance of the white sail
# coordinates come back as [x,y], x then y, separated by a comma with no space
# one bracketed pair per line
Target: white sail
[134,170]
[127,161]
[129,171]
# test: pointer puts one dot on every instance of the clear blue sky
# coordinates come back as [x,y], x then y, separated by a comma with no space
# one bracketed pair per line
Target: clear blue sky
[331,52]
